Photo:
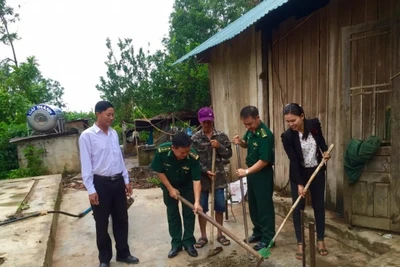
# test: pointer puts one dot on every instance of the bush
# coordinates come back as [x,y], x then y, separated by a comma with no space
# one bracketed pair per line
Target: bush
[8,151]
[34,157]
[154,180]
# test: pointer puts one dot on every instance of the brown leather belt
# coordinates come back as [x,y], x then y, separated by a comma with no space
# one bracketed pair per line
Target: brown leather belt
[112,177]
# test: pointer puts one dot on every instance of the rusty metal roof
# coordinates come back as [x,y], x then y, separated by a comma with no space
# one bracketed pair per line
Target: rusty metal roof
[236,27]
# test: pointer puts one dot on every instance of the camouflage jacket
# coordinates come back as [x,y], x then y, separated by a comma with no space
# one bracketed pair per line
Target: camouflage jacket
[202,145]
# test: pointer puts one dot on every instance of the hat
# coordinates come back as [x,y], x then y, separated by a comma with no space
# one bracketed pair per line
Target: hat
[205,114]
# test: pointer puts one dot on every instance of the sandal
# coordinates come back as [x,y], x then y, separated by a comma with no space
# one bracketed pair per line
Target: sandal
[223,240]
[299,255]
[322,251]
[201,242]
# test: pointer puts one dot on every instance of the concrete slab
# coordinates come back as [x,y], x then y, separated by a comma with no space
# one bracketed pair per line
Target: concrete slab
[30,242]
[389,259]
[12,193]
[150,242]
[367,241]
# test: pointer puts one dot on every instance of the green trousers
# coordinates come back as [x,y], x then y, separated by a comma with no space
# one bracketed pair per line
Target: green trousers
[174,219]
[261,206]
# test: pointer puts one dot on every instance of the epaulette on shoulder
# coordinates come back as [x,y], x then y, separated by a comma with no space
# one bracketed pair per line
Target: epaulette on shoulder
[164,149]
[263,133]
[193,155]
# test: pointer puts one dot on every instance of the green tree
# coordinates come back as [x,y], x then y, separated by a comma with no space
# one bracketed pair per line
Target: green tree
[24,86]
[21,86]
[150,81]
[128,78]
[7,16]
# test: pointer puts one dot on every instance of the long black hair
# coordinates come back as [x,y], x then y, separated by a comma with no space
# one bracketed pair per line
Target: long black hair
[297,110]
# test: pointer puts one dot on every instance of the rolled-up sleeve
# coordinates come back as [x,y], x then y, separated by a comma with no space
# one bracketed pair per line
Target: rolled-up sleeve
[86,163]
[156,164]
[195,170]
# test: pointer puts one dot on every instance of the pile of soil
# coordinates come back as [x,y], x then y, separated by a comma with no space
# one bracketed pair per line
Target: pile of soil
[140,178]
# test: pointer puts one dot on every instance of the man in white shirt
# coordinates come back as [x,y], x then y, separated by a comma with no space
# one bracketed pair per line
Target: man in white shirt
[106,179]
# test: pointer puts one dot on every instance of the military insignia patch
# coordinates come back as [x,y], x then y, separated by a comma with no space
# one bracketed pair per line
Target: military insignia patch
[185,168]
[193,155]
[255,144]
[164,149]
[263,133]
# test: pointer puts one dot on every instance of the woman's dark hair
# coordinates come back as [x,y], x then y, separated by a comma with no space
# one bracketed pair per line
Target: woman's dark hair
[293,108]
[297,110]
[249,111]
[181,139]
[102,106]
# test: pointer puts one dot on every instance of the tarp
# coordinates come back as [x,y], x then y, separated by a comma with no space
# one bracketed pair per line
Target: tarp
[358,153]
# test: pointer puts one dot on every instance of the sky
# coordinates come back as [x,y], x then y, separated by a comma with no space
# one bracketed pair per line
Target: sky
[68,38]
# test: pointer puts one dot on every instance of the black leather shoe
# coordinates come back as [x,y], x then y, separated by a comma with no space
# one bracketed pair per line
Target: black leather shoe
[254,239]
[259,246]
[174,252]
[104,264]
[129,259]
[191,251]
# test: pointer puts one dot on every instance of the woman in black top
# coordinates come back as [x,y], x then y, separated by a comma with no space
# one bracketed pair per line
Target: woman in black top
[305,146]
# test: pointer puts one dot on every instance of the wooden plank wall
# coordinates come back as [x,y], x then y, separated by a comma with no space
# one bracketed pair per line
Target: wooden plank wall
[234,69]
[306,68]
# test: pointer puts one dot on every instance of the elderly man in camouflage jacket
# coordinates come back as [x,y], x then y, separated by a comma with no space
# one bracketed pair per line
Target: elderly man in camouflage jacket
[203,142]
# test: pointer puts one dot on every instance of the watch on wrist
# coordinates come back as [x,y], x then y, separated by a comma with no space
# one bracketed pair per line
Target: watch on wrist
[246,171]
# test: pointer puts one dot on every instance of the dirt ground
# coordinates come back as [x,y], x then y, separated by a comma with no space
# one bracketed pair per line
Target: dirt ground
[139,177]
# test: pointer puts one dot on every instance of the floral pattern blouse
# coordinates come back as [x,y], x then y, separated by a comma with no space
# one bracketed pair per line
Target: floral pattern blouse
[309,149]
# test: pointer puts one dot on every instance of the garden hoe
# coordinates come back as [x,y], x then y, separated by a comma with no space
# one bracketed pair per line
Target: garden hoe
[213,251]
[265,252]
[239,241]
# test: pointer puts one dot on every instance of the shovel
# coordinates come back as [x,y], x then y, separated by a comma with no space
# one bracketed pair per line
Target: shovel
[265,252]
[213,251]
[226,231]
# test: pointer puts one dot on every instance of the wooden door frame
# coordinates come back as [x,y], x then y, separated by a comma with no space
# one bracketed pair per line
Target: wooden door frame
[346,32]
[395,123]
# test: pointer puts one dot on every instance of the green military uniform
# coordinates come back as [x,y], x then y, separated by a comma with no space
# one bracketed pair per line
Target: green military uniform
[260,146]
[181,174]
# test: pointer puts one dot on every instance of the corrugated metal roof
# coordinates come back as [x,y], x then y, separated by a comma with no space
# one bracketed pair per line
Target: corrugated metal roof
[236,27]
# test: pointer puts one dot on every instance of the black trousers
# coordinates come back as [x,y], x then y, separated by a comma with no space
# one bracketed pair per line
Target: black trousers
[112,201]
[317,190]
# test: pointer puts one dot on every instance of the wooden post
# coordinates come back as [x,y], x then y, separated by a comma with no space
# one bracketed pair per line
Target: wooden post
[303,237]
[311,231]
[124,143]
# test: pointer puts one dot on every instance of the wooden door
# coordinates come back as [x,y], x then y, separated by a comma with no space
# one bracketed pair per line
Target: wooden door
[368,56]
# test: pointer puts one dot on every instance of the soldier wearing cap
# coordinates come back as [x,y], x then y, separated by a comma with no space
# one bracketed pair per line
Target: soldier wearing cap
[259,142]
[178,168]
[204,141]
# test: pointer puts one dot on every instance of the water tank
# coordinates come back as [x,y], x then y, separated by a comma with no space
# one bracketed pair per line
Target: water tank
[45,118]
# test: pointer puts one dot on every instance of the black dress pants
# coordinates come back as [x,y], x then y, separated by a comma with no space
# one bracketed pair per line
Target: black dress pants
[317,190]
[112,201]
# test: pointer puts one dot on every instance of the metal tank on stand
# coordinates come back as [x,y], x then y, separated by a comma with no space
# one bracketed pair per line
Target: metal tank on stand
[45,119]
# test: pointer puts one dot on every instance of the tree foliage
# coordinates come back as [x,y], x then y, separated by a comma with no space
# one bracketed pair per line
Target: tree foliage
[150,81]
[7,37]
[21,86]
